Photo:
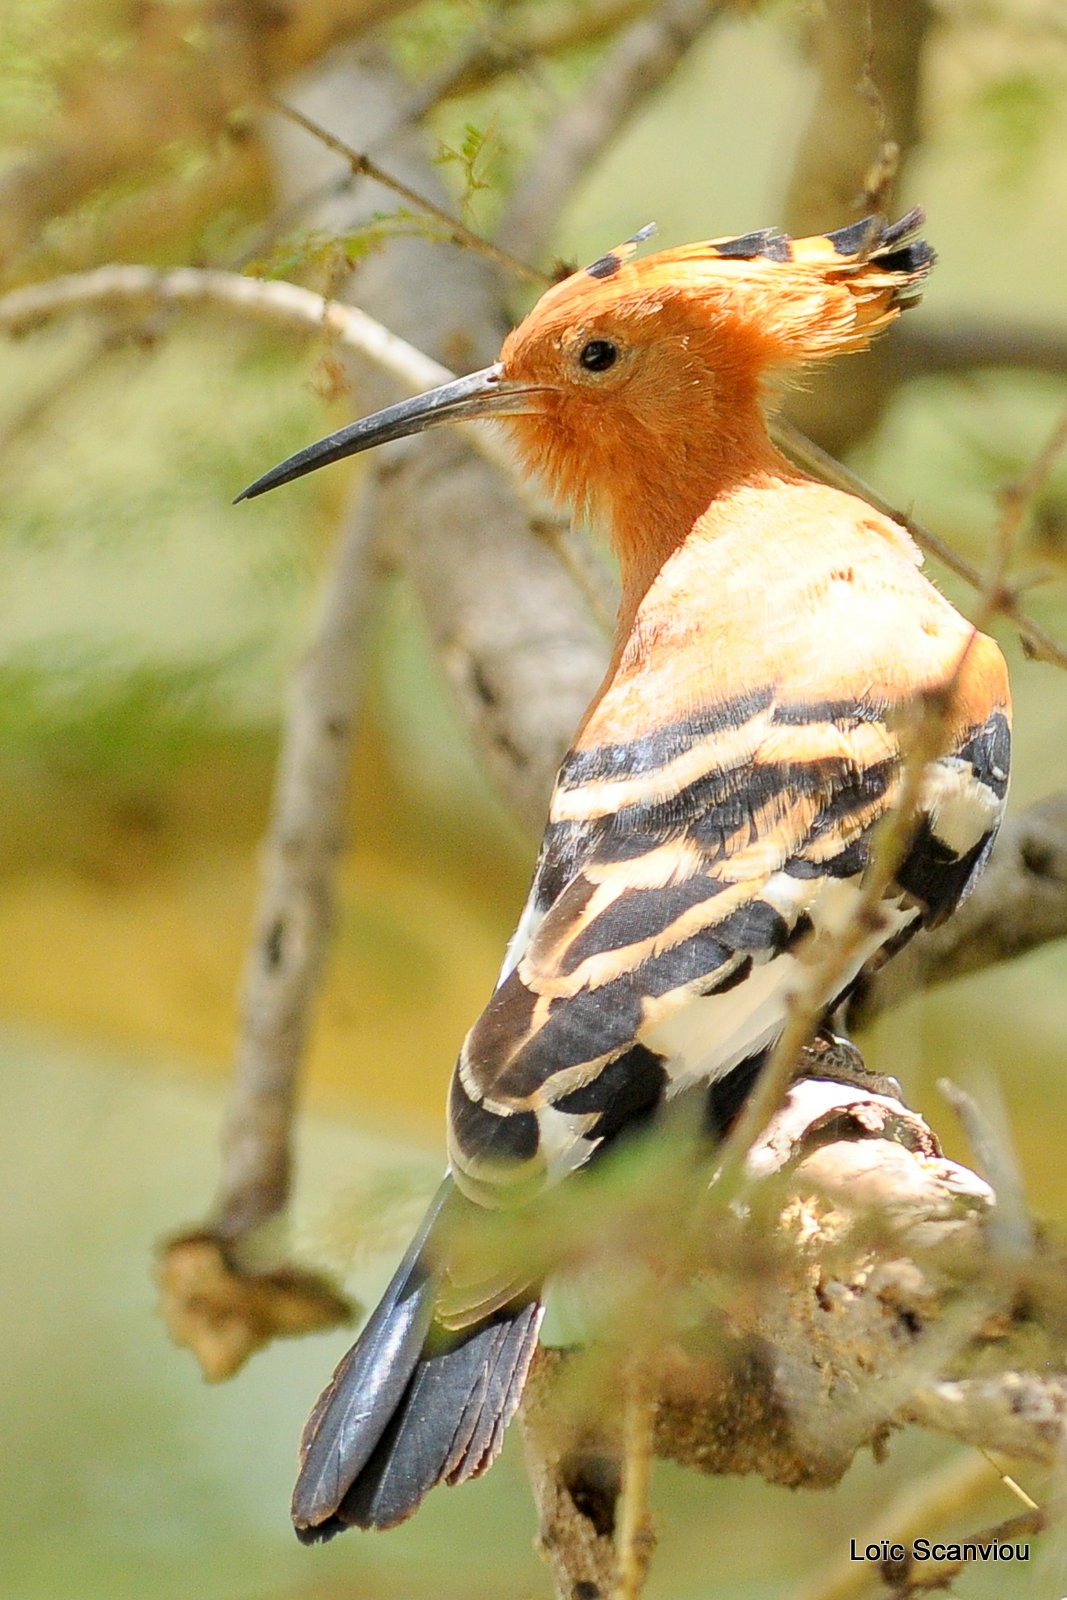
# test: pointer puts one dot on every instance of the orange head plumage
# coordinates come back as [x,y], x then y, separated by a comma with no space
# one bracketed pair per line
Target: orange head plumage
[651,370]
[634,385]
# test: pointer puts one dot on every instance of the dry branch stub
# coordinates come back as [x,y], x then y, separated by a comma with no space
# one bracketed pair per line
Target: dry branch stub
[882,1300]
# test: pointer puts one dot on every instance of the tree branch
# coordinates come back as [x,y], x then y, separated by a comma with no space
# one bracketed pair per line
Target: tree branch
[528,663]
[868,93]
[524,667]
[289,307]
[293,923]
[863,1288]
[821,464]
[1020,903]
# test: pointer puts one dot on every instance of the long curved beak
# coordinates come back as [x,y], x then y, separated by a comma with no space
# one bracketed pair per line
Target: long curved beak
[481,394]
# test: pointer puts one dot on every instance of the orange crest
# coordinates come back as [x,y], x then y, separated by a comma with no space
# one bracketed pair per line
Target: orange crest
[787,300]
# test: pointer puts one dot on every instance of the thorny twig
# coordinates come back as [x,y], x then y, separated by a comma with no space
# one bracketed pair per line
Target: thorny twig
[883,1264]
[291,306]
[363,166]
[1010,1238]
[868,89]
[293,923]
[1019,904]
[824,976]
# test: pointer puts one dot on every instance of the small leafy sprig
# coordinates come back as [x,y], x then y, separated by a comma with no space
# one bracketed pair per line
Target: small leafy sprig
[476,150]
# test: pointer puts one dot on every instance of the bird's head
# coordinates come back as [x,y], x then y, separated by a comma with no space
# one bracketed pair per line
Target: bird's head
[633,385]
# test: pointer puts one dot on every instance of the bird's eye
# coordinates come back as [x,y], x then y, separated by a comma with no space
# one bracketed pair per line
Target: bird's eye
[598,355]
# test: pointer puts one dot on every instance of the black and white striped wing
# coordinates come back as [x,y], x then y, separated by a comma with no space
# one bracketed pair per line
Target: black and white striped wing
[679,876]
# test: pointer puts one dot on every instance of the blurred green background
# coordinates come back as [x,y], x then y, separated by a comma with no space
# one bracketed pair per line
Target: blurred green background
[146,631]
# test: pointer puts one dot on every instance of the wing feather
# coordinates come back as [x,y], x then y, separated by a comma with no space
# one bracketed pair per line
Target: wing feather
[688,856]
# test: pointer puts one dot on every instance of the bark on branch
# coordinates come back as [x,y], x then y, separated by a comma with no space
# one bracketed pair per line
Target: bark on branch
[891,1302]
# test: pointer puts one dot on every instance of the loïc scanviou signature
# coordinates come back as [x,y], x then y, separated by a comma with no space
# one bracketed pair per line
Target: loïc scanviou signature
[890,1551]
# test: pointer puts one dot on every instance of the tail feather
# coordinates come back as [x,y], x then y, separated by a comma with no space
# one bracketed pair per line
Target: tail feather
[451,1424]
[412,1404]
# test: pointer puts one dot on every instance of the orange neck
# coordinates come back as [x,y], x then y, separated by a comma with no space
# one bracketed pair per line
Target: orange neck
[662,500]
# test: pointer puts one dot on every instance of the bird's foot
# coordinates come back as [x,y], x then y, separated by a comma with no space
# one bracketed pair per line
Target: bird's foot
[830,1055]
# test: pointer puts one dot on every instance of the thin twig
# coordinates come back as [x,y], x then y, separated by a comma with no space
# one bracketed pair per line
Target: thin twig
[935,1576]
[284,305]
[961,344]
[867,61]
[641,60]
[363,166]
[828,969]
[633,1538]
[289,306]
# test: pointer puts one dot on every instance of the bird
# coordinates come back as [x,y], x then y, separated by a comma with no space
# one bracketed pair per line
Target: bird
[714,814]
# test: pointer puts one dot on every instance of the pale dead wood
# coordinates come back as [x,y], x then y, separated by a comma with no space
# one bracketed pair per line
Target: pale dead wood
[541,631]
[134,290]
[826,967]
[637,64]
[922,742]
[835,1347]
[261,1117]
[288,306]
[294,308]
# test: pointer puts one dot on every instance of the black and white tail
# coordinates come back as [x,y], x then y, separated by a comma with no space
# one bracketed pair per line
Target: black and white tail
[412,1404]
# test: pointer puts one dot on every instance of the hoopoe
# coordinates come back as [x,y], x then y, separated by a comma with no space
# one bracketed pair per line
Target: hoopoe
[717,806]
